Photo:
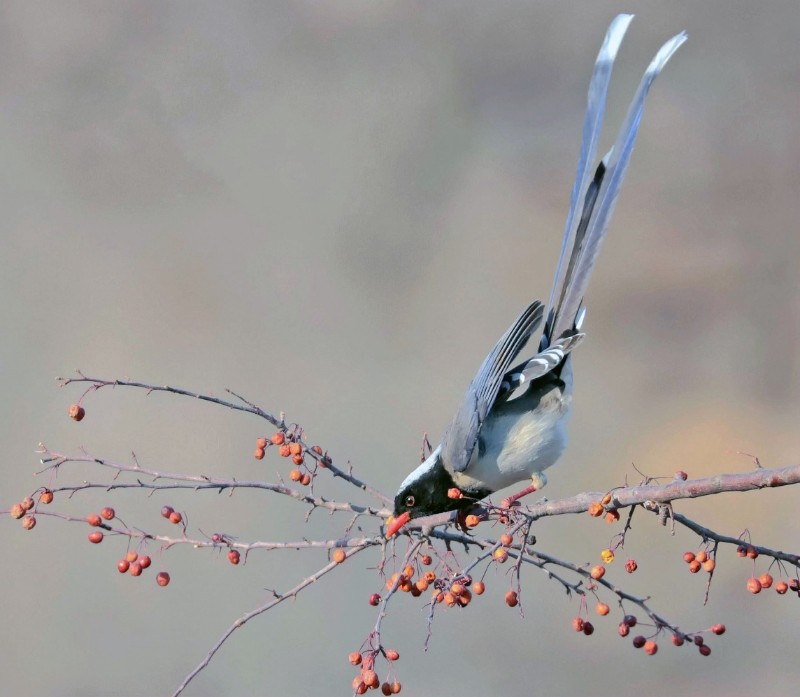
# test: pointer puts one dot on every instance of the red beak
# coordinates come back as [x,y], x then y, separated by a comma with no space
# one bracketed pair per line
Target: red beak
[397,523]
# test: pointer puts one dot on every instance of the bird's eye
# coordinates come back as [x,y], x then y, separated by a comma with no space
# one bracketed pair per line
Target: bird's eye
[410,501]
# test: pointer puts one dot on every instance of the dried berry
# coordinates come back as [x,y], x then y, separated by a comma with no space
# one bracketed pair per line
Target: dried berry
[754,585]
[577,624]
[278,438]
[259,453]
[27,503]
[166,511]
[512,599]
[588,628]
[16,511]
[506,539]
[765,580]
[595,509]
[29,522]
[705,650]
[472,521]
[500,555]
[677,640]
[426,560]
[752,552]
[136,569]
[639,641]
[76,412]
[631,566]
[355,658]
[392,655]
[597,572]
[96,537]
[234,556]
[629,620]
[623,629]
[162,579]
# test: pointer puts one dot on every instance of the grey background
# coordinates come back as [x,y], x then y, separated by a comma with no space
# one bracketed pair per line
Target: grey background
[336,209]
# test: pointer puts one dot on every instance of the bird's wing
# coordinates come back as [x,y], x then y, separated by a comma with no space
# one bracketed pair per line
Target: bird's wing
[460,439]
[541,364]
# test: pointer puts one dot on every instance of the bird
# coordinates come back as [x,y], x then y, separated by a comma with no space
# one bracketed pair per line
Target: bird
[512,422]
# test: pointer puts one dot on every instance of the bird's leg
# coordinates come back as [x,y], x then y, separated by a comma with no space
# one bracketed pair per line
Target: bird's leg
[538,480]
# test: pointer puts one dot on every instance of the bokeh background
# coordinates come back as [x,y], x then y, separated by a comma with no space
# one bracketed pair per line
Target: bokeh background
[336,209]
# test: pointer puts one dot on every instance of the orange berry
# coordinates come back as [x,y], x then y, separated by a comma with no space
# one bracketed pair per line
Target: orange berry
[396,687]
[29,522]
[465,598]
[46,496]
[131,557]
[612,516]
[107,513]
[298,459]
[422,585]
[701,556]
[163,578]
[234,556]
[391,581]
[16,511]
[709,565]
[405,585]
[95,537]
[392,655]
[430,576]
[145,561]
[295,475]
[408,572]
[426,559]
[478,587]
[355,658]
[631,566]
[597,572]
[284,451]
[577,624]
[718,629]
[76,412]
[781,587]
[305,480]
[688,557]
[295,448]
[457,589]
[765,580]
[596,509]
[606,500]
[449,599]
[123,565]
[338,555]
[259,453]
[472,521]
[602,609]
[650,647]
[261,443]
[454,493]
[512,599]
[695,566]
[500,555]
[175,517]
[506,540]
[93,519]
[754,585]
[27,503]
[278,438]
[370,678]
[136,569]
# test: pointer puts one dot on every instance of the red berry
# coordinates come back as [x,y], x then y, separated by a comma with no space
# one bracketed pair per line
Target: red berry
[704,650]
[175,517]
[639,641]
[261,443]
[123,565]
[709,565]
[506,540]
[650,647]
[681,475]
[426,560]
[392,655]
[701,556]
[597,572]
[472,521]
[718,629]
[698,640]
[629,620]
[278,438]
[765,580]
[93,519]
[752,553]
[295,448]
[162,579]
[794,585]
[374,600]
[631,566]
[370,678]
[595,509]
[234,556]
[588,628]
[754,585]
[297,459]
[166,511]
[512,599]
[107,513]
[386,688]
[612,516]
[623,629]
[695,566]
[144,560]
[781,587]
[136,569]
[688,557]
[96,537]
[577,624]
[677,640]
[741,551]
[396,687]
[76,412]
[29,522]
[305,480]
[500,555]
[454,493]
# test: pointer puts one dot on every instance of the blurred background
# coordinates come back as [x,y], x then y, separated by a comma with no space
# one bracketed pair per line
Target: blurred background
[335,209]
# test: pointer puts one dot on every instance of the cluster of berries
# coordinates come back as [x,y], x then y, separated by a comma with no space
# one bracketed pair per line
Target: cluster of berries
[21,509]
[289,445]
[368,679]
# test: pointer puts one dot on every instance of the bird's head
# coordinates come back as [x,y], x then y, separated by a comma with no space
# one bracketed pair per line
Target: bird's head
[425,492]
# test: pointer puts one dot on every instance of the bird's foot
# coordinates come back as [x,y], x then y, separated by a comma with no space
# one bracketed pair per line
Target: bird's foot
[538,480]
